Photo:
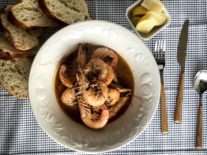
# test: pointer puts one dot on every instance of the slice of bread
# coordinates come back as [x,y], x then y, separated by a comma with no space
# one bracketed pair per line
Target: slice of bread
[20,38]
[27,14]
[65,11]
[14,76]
[8,52]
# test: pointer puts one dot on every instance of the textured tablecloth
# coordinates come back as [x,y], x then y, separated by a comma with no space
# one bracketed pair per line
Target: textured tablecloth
[20,133]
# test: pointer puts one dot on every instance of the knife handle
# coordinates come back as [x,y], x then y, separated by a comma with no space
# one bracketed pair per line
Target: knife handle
[163,109]
[199,127]
[178,112]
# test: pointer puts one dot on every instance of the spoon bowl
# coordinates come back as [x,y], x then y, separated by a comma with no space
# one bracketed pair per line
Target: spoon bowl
[200,85]
[200,81]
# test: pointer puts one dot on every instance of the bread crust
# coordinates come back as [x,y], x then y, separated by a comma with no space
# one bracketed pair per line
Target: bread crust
[46,11]
[21,97]
[44,8]
[12,55]
[23,25]
[5,55]
[9,52]
[7,34]
[13,20]
[18,94]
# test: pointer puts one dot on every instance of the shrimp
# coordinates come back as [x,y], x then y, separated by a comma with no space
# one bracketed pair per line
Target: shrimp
[113,96]
[107,55]
[68,97]
[105,72]
[80,61]
[124,97]
[65,77]
[91,119]
[117,107]
[96,94]
[81,56]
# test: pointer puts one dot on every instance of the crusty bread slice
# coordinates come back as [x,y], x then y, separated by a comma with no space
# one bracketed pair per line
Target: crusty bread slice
[14,76]
[65,11]
[27,14]
[20,38]
[8,52]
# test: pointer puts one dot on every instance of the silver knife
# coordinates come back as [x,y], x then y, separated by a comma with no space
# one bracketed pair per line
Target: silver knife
[181,56]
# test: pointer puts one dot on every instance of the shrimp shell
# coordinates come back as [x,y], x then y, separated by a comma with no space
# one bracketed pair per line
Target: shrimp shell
[104,53]
[118,106]
[96,97]
[65,77]
[113,96]
[68,97]
[87,117]
[106,73]
[81,56]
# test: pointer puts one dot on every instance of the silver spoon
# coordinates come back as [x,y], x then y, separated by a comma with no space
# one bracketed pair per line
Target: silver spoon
[200,85]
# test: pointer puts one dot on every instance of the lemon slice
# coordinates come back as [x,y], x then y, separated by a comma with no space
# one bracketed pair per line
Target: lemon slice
[139,10]
[153,5]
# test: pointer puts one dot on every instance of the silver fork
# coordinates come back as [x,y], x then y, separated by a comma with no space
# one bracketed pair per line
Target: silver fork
[160,48]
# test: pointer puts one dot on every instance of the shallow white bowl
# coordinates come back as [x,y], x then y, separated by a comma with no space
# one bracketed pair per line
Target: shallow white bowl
[72,134]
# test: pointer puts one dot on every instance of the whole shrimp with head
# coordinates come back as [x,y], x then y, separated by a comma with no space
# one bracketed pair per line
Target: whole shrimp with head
[92,85]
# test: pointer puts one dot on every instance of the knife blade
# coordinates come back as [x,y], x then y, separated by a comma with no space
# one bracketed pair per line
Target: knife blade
[182,45]
[181,56]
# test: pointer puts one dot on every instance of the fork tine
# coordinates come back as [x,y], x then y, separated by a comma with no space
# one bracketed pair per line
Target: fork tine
[160,44]
[164,45]
[156,45]
[160,47]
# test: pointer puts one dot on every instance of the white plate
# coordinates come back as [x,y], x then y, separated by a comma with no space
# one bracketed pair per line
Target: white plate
[72,134]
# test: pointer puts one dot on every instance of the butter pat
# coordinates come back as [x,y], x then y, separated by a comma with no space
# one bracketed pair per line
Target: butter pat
[160,18]
[140,10]
[146,24]
[149,21]
[153,5]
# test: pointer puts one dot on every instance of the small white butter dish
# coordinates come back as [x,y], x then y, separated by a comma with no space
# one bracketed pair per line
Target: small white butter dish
[154,31]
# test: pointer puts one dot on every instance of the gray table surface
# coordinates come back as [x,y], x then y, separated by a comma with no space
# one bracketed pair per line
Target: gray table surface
[20,133]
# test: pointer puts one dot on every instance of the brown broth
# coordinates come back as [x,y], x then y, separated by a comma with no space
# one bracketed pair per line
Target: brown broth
[125,77]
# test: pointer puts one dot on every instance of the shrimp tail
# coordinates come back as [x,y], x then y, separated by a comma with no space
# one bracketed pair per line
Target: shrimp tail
[117,107]
[81,56]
